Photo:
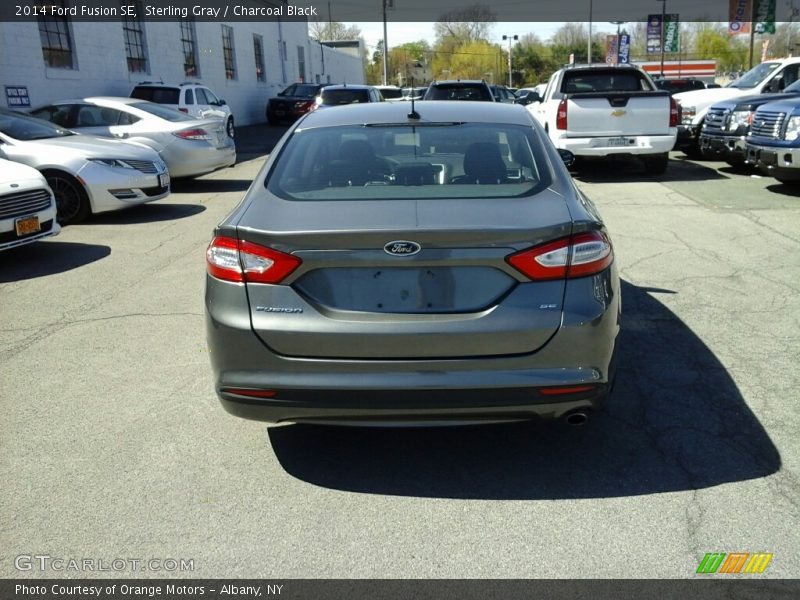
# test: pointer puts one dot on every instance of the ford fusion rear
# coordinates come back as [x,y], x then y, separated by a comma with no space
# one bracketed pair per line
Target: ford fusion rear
[432,266]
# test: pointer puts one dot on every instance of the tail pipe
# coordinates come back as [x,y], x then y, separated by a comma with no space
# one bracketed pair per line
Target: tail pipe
[576,418]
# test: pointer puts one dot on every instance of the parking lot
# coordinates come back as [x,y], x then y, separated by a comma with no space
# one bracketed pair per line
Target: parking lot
[114,444]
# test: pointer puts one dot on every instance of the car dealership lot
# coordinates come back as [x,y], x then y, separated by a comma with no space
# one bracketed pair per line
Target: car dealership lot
[114,444]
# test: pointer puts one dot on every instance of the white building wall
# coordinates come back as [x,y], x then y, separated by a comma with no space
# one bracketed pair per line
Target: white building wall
[101,67]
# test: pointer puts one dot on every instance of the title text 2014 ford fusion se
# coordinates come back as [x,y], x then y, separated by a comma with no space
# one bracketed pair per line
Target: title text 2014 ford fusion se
[394,267]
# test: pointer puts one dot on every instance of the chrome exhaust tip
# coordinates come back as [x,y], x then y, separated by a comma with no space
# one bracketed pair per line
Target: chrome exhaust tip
[576,418]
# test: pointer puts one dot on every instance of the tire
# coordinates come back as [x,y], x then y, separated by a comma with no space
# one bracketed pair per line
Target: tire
[72,202]
[229,128]
[273,121]
[655,164]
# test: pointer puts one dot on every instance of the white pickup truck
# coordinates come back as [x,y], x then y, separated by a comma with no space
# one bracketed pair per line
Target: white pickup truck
[597,111]
[768,77]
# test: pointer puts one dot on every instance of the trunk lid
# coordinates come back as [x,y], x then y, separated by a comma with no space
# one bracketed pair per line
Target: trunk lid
[618,114]
[451,295]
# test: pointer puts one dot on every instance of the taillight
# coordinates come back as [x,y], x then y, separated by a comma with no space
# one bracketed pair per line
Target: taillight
[236,260]
[561,115]
[674,113]
[577,256]
[192,134]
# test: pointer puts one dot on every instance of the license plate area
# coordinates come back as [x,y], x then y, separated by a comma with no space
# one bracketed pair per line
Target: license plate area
[27,225]
[405,289]
[768,158]
[617,142]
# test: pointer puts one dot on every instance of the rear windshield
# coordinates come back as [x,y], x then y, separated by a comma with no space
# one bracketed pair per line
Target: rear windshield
[161,95]
[23,127]
[300,90]
[611,80]
[402,161]
[391,94]
[162,111]
[458,91]
[336,97]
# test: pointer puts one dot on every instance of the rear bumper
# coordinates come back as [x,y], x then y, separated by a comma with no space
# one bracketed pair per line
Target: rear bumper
[600,146]
[185,161]
[687,136]
[724,147]
[420,408]
[462,389]
[782,163]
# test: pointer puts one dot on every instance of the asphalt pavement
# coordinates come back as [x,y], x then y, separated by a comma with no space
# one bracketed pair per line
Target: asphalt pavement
[114,445]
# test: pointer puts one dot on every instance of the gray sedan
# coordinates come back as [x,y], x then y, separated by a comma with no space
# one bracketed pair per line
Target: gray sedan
[388,267]
[188,145]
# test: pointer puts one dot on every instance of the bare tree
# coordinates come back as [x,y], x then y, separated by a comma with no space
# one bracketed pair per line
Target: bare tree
[326,31]
[466,25]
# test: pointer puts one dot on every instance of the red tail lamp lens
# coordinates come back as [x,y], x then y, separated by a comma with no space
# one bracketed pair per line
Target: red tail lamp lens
[240,261]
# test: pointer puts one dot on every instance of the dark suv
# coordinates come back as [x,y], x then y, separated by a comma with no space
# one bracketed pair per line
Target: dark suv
[461,89]
[292,103]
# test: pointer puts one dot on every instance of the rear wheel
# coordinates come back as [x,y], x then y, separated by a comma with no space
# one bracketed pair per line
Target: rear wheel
[656,164]
[229,127]
[72,202]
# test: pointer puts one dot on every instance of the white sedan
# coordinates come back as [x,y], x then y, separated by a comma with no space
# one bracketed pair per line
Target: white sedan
[190,146]
[87,174]
[27,206]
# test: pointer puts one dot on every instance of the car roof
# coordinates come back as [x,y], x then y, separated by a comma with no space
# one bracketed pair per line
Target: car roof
[101,99]
[459,81]
[340,86]
[430,111]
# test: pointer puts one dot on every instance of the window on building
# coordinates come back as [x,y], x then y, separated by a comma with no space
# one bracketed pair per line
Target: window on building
[189,43]
[301,63]
[228,52]
[258,50]
[135,43]
[56,39]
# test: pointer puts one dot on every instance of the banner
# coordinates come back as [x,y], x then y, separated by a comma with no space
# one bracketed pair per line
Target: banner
[765,16]
[672,33]
[624,49]
[611,49]
[653,34]
[739,17]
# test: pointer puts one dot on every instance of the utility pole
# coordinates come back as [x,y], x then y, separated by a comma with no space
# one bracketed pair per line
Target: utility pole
[752,32]
[385,45]
[589,43]
[509,38]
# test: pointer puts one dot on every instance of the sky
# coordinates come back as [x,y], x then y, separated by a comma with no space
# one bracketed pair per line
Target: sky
[400,33]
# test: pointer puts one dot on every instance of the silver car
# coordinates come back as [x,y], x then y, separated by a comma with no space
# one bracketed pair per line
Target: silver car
[188,145]
[87,174]
[389,267]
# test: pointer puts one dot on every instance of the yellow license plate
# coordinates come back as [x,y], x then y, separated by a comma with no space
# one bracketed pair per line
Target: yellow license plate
[27,225]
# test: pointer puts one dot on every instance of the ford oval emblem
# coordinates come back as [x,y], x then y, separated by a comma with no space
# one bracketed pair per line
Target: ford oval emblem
[402,248]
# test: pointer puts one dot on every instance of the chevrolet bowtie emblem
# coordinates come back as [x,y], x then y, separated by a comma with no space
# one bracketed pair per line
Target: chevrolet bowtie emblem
[618,113]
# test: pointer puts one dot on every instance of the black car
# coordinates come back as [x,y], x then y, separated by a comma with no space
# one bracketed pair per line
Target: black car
[503,94]
[461,89]
[676,86]
[292,103]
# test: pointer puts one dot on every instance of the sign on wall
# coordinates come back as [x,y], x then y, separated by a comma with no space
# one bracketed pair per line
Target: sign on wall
[17,96]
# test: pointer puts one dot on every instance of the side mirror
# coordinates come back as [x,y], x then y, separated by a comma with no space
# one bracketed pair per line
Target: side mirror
[529,98]
[221,102]
[567,156]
